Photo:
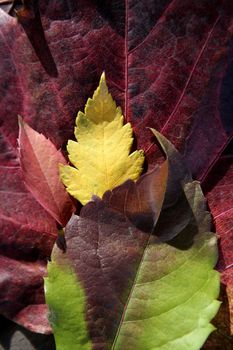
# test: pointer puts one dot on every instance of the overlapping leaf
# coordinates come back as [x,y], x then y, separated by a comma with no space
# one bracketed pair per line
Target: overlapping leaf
[101,155]
[168,63]
[27,234]
[126,286]
[39,161]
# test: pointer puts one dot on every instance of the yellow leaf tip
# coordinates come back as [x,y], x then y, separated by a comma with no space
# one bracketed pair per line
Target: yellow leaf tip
[103,77]
[103,83]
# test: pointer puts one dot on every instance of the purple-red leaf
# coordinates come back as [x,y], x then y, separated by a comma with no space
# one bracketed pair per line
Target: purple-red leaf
[167,62]
[27,235]
[177,76]
[40,161]
[219,189]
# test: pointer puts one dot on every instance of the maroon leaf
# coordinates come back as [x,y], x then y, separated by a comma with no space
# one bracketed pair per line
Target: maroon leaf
[27,235]
[167,61]
[219,189]
[40,161]
[176,77]
[78,35]
[22,293]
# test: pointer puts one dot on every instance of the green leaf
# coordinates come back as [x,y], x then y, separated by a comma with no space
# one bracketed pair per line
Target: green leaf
[146,287]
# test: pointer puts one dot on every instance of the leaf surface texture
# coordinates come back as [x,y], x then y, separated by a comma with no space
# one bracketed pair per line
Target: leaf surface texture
[168,63]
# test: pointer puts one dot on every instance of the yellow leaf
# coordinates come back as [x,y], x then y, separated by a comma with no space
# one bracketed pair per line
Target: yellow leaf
[101,155]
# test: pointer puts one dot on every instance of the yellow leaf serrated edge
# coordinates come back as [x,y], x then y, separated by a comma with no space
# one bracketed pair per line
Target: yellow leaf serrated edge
[101,156]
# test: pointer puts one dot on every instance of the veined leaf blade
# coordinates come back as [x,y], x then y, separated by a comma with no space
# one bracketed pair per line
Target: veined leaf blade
[143,292]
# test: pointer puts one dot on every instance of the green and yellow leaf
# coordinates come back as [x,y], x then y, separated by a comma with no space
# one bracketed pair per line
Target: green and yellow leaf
[141,292]
[101,156]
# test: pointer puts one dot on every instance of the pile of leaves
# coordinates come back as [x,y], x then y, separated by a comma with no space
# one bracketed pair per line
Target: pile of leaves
[168,64]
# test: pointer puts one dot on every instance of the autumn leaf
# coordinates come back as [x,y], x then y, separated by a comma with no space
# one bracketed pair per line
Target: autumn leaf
[128,289]
[101,155]
[218,187]
[27,235]
[154,55]
[168,64]
[39,161]
[28,232]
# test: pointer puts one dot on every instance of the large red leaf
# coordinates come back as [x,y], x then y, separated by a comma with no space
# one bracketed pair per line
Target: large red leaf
[176,78]
[27,235]
[166,61]
[219,189]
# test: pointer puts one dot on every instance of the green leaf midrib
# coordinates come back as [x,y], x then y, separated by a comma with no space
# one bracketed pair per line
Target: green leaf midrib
[130,294]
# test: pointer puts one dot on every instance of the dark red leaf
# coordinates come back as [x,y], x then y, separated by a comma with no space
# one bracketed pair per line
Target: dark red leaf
[176,78]
[167,61]
[27,235]
[219,189]
[78,37]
